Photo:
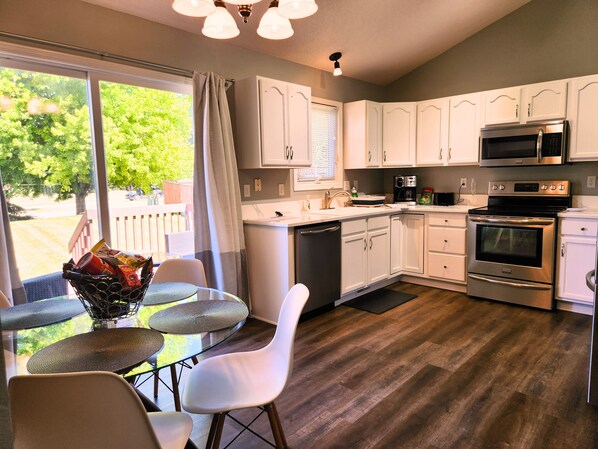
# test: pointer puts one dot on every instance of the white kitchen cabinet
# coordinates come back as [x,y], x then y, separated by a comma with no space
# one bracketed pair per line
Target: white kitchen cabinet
[273,124]
[365,252]
[465,122]
[582,112]
[407,243]
[362,134]
[577,256]
[432,132]
[398,134]
[502,106]
[447,237]
[544,101]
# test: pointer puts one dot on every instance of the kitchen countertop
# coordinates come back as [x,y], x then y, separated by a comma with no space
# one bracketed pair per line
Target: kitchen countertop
[579,212]
[348,213]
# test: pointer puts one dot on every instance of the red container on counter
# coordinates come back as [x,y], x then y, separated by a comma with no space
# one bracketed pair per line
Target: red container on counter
[92,264]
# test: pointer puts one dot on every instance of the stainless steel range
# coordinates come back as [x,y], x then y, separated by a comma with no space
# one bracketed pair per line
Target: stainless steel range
[511,242]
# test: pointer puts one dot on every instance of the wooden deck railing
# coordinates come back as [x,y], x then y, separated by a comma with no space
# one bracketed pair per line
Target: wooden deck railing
[140,229]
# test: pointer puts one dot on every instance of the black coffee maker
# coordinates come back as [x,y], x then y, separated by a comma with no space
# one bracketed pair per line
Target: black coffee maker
[404,189]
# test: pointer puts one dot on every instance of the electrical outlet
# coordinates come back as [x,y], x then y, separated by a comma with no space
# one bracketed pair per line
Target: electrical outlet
[591,182]
[280,189]
[246,190]
[463,182]
[257,184]
[346,185]
[356,184]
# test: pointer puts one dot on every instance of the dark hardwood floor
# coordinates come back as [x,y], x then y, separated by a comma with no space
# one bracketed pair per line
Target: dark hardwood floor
[441,371]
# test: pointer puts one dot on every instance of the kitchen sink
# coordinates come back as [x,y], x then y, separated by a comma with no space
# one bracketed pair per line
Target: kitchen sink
[344,211]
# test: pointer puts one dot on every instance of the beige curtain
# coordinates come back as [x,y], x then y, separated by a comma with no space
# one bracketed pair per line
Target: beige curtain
[219,241]
[10,282]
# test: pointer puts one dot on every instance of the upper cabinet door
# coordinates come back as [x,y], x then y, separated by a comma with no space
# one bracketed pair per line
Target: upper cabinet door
[373,134]
[545,101]
[432,130]
[299,123]
[464,129]
[582,113]
[502,106]
[273,116]
[398,134]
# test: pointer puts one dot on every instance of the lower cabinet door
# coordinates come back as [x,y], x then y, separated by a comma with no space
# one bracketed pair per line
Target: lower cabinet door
[577,257]
[446,266]
[353,262]
[378,255]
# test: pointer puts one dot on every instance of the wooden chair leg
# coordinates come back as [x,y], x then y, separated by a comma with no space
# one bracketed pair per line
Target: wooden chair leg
[276,426]
[215,434]
[156,375]
[175,388]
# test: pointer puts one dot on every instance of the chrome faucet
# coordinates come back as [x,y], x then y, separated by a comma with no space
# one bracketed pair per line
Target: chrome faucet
[328,198]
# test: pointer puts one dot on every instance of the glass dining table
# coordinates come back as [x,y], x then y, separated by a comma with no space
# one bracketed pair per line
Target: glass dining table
[21,345]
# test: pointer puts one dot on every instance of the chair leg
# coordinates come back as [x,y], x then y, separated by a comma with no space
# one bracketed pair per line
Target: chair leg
[156,375]
[276,426]
[215,434]
[194,360]
[175,388]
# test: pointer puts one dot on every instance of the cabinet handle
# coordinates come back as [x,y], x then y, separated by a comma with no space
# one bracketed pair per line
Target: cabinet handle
[384,155]
[446,241]
[446,220]
[562,250]
[529,110]
[369,156]
[449,156]
[286,152]
[516,111]
[365,244]
[583,229]
[445,267]
[291,149]
[371,243]
[440,155]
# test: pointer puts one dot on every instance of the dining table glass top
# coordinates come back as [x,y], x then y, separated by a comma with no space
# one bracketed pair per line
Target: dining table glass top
[20,345]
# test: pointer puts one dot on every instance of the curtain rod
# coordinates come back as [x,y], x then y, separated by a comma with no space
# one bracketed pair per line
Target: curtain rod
[104,55]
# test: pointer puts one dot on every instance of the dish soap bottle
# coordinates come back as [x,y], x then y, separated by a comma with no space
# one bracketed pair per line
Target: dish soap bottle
[354,192]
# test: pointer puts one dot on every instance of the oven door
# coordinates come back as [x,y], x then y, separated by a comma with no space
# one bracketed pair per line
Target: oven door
[512,247]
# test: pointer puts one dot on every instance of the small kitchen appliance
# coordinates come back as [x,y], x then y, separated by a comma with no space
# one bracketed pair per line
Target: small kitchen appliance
[404,189]
[444,199]
[512,240]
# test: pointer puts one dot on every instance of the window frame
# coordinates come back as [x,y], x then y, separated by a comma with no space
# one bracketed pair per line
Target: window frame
[337,183]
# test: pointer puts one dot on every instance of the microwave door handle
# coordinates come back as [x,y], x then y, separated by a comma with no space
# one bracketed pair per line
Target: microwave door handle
[539,145]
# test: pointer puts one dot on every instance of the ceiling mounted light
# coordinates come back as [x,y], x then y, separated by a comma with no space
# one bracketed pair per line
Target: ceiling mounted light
[194,8]
[297,9]
[337,65]
[220,24]
[273,25]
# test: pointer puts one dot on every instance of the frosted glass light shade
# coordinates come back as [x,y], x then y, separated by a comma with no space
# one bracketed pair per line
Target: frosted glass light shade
[242,2]
[220,25]
[274,26]
[194,8]
[337,71]
[297,9]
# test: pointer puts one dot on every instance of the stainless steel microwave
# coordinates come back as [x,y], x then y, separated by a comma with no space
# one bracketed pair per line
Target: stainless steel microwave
[521,145]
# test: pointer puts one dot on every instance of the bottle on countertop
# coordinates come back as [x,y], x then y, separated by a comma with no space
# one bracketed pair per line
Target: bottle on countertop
[354,192]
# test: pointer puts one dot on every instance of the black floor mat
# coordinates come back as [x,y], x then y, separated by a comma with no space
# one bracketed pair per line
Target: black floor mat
[380,301]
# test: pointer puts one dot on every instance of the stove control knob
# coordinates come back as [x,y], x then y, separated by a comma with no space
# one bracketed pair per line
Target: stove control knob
[494,187]
[544,187]
[561,187]
[501,187]
[552,187]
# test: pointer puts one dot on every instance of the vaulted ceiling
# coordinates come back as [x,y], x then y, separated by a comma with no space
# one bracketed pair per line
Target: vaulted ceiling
[381,40]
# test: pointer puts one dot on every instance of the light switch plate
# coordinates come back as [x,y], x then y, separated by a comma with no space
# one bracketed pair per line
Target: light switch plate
[280,189]
[246,190]
[591,182]
[346,185]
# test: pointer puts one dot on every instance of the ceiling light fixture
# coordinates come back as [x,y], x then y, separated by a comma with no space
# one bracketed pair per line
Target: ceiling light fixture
[220,24]
[337,65]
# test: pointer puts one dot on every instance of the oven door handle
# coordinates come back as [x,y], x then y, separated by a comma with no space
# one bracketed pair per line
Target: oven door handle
[523,221]
[591,283]
[512,284]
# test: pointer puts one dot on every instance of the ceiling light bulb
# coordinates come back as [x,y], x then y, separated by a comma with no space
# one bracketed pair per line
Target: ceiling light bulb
[220,25]
[273,25]
[194,8]
[337,69]
[297,9]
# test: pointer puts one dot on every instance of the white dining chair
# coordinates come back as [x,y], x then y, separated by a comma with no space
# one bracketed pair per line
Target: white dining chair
[91,410]
[190,271]
[247,379]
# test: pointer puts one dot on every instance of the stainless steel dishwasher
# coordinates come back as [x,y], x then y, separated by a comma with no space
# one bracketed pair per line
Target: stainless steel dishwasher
[318,263]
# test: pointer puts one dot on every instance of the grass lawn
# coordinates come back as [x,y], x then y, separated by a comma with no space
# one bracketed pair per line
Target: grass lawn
[41,244]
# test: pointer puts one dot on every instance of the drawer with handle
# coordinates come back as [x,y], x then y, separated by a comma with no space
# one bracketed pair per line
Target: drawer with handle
[571,226]
[447,266]
[447,240]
